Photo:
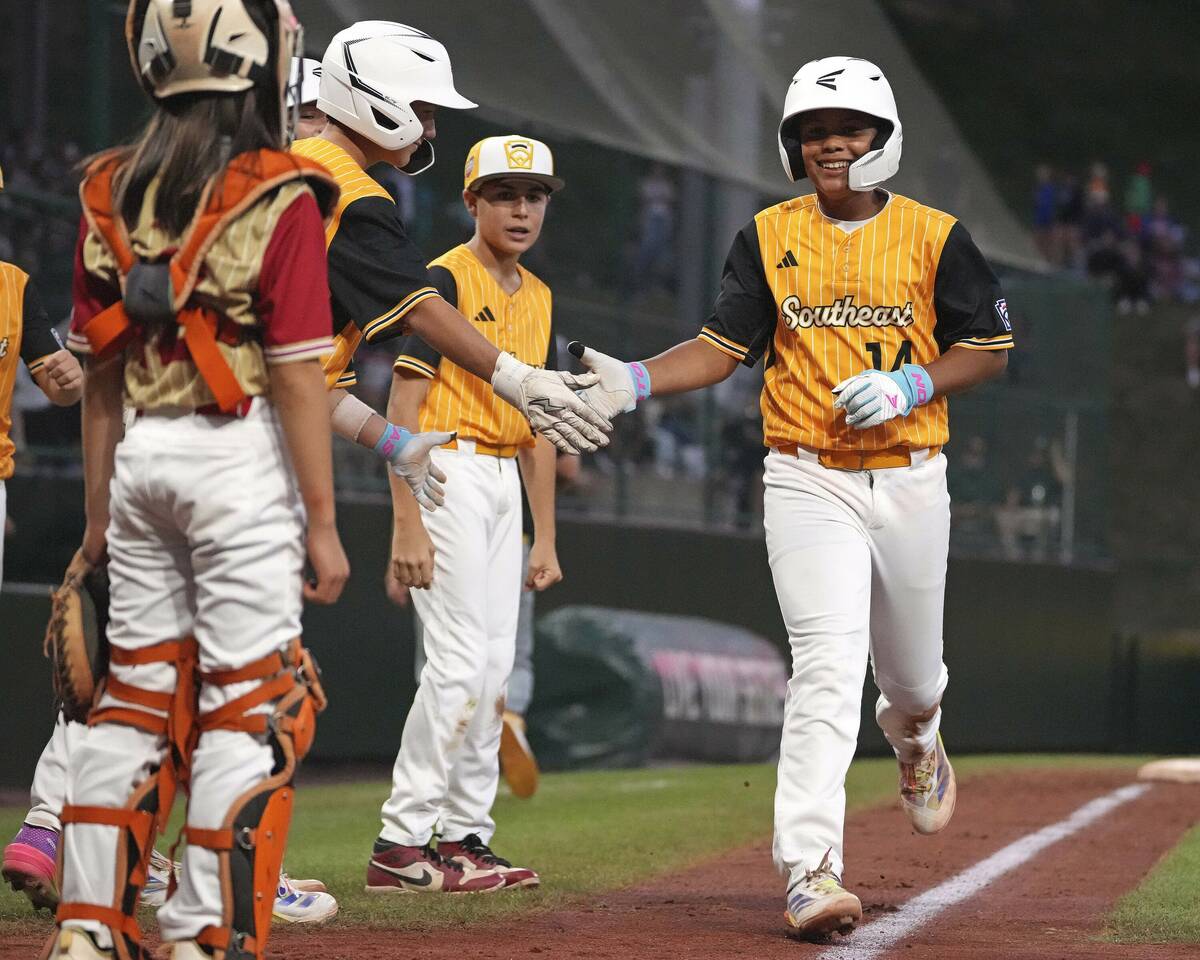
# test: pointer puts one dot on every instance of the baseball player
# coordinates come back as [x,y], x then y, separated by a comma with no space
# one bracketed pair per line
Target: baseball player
[306,85]
[870,308]
[26,336]
[468,555]
[200,295]
[381,84]
[29,860]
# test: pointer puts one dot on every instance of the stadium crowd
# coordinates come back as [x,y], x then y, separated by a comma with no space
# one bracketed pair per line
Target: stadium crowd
[1122,234]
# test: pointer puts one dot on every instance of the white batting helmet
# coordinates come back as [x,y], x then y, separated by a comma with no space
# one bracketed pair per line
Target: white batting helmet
[851,84]
[305,84]
[371,74]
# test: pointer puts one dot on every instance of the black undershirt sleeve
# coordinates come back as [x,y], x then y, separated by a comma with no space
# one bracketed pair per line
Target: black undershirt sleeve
[744,316]
[37,332]
[967,298]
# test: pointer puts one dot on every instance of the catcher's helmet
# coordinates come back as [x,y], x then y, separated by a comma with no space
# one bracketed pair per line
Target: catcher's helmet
[852,84]
[210,46]
[371,74]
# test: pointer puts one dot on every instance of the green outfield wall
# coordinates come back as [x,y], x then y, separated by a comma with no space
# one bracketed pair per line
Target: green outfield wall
[1034,657]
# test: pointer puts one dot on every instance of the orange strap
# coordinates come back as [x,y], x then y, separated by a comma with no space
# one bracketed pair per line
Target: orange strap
[165,652]
[109,331]
[114,919]
[200,335]
[129,718]
[143,698]
[235,714]
[217,938]
[139,821]
[215,839]
[270,664]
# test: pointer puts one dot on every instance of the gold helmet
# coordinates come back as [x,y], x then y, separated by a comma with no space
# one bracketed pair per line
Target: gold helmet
[213,46]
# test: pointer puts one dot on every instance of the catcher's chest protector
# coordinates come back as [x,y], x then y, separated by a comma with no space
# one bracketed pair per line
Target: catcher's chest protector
[162,292]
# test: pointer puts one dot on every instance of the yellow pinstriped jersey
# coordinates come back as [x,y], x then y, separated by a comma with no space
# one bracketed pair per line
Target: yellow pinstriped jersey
[825,304]
[25,336]
[519,324]
[376,273]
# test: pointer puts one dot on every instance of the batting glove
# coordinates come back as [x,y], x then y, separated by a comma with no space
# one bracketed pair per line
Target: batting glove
[874,397]
[408,456]
[547,399]
[621,384]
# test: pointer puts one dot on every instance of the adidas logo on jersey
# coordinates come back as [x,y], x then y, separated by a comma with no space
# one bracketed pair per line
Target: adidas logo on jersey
[789,260]
[844,313]
[485,316]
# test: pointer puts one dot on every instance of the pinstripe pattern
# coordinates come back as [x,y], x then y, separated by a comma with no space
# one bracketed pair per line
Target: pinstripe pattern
[355,184]
[12,308]
[882,275]
[458,400]
[228,283]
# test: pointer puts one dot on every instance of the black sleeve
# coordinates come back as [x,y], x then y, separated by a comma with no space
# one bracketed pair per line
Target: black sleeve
[745,313]
[967,299]
[37,337]
[414,353]
[376,272]
[552,361]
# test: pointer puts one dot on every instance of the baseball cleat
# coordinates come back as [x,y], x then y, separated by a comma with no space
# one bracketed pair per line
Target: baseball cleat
[928,790]
[158,880]
[471,851]
[395,868]
[818,904]
[30,863]
[293,905]
[188,950]
[517,761]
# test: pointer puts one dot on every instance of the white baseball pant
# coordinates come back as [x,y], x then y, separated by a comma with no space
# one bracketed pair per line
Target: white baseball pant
[48,792]
[206,540]
[859,563]
[520,681]
[448,766]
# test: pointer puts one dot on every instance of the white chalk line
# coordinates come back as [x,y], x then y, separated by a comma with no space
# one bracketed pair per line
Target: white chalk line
[888,930]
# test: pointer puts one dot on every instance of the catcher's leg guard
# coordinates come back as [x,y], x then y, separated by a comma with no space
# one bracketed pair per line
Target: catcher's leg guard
[252,840]
[169,715]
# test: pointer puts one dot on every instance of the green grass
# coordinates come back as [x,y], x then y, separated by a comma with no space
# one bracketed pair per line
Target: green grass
[584,832]
[1165,908]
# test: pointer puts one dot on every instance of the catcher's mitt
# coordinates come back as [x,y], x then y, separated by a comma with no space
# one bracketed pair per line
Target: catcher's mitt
[76,636]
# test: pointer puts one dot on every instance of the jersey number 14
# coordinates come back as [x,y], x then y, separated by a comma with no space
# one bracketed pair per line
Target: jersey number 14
[903,355]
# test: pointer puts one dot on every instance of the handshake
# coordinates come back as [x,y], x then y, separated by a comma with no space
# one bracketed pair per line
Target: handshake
[573,411]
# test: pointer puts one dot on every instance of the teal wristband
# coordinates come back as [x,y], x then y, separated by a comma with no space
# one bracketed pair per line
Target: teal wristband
[392,441]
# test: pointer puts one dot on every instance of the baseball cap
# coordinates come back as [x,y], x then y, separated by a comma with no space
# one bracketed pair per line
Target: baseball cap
[493,158]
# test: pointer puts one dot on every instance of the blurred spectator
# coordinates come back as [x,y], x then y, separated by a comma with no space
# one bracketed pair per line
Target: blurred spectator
[976,490]
[1140,252]
[654,259]
[1029,522]
[1191,352]
[1139,195]
[742,455]
[1045,211]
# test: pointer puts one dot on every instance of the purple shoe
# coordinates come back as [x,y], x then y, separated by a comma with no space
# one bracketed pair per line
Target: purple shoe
[29,865]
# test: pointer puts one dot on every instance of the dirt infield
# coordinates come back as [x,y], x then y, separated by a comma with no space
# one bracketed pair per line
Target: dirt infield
[1051,907]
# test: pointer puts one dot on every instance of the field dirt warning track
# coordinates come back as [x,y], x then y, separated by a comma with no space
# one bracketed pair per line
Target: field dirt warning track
[1056,849]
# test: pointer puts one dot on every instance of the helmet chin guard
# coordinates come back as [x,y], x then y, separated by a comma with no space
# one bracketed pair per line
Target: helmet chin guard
[848,83]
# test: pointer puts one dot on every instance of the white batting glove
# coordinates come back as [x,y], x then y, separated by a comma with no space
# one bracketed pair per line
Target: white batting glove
[547,399]
[621,384]
[874,397]
[408,456]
